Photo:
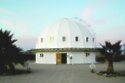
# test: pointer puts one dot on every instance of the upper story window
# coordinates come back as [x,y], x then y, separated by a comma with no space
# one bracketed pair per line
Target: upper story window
[76,38]
[93,39]
[41,39]
[87,39]
[63,38]
[51,39]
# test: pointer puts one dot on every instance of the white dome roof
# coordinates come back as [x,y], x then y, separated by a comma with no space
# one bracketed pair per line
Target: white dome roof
[67,33]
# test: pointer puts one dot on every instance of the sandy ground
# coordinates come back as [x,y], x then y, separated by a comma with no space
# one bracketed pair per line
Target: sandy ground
[65,74]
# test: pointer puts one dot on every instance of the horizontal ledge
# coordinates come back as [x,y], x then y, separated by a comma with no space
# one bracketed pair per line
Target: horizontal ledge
[64,50]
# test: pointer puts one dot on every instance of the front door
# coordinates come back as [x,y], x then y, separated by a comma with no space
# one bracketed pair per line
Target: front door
[61,58]
[58,58]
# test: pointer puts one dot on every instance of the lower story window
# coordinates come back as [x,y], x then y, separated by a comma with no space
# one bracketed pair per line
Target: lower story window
[41,55]
[87,54]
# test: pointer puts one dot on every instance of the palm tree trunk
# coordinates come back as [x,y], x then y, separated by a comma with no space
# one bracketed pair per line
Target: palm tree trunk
[110,68]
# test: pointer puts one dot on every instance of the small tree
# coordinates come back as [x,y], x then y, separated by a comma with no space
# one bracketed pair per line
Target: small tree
[111,51]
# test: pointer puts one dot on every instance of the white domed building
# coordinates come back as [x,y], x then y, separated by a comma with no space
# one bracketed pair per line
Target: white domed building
[68,41]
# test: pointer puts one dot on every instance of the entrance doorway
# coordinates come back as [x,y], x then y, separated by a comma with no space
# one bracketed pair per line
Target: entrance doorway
[64,58]
[61,58]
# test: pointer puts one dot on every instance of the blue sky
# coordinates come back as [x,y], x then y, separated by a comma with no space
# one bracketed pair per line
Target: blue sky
[27,18]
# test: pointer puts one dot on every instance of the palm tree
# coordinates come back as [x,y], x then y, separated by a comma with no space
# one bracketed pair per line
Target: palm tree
[111,51]
[10,54]
[7,51]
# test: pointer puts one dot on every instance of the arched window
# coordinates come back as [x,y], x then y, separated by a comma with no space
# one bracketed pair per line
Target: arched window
[51,39]
[87,39]
[41,39]
[93,39]
[76,38]
[63,38]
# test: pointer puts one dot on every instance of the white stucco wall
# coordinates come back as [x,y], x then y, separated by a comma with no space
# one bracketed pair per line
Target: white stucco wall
[69,28]
[80,57]
[77,58]
[48,58]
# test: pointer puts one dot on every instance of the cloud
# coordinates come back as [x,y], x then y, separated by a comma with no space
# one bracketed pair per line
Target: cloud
[20,29]
[93,8]
[103,21]
[26,42]
[21,33]
[88,13]
[7,12]
[12,23]
[113,34]
[16,26]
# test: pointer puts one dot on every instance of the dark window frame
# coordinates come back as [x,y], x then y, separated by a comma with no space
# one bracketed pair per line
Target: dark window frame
[63,38]
[93,39]
[87,54]
[42,40]
[41,55]
[76,38]
[87,39]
